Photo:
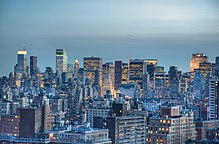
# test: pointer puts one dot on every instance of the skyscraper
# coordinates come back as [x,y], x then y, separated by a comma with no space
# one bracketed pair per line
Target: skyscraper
[93,69]
[21,63]
[33,66]
[70,70]
[76,67]
[61,61]
[217,66]
[196,59]
[125,73]
[174,76]
[151,67]
[118,74]
[137,71]
[213,97]
[107,78]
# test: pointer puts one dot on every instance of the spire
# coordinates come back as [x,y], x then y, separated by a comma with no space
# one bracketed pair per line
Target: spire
[24,47]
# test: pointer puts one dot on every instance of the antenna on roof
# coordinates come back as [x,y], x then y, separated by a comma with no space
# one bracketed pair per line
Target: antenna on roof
[24,47]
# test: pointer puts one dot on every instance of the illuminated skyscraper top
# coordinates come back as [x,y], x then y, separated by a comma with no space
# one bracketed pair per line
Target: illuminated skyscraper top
[76,67]
[137,70]
[93,69]
[21,63]
[196,60]
[61,61]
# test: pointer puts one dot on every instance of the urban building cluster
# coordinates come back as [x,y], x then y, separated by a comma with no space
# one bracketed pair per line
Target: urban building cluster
[97,102]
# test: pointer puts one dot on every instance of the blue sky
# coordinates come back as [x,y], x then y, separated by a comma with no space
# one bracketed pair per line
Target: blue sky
[169,30]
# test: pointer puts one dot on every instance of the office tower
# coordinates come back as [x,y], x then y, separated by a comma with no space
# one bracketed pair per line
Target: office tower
[118,74]
[170,127]
[125,73]
[93,70]
[185,82]
[81,75]
[64,77]
[107,78]
[126,129]
[198,84]
[61,62]
[174,78]
[11,79]
[217,66]
[213,98]
[21,67]
[151,67]
[30,122]
[206,68]
[49,77]
[76,68]
[70,71]
[160,80]
[33,66]
[196,59]
[159,69]
[137,71]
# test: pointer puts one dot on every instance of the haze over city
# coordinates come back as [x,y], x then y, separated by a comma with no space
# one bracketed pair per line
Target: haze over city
[169,31]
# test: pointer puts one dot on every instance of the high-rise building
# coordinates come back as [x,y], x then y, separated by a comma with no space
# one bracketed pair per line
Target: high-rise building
[48,77]
[107,78]
[81,75]
[196,59]
[61,61]
[137,71]
[76,67]
[30,122]
[151,67]
[213,97]
[159,69]
[174,78]
[206,68]
[160,80]
[70,70]
[170,127]
[93,69]
[125,129]
[21,64]
[217,66]
[33,66]
[118,74]
[125,73]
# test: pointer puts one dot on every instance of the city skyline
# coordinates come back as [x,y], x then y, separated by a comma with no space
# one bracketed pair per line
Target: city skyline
[42,67]
[109,71]
[112,30]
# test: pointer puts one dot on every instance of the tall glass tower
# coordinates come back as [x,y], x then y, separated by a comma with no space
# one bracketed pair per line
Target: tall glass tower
[61,61]
[21,63]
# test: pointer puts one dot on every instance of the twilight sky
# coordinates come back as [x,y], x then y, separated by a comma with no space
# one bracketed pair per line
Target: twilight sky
[169,30]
